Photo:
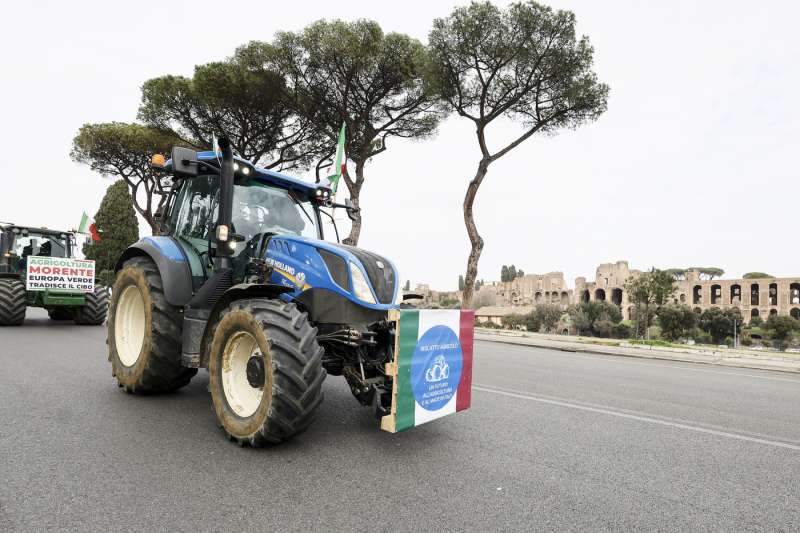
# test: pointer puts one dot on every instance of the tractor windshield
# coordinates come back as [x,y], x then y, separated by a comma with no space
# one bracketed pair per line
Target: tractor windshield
[257,208]
[261,208]
[42,245]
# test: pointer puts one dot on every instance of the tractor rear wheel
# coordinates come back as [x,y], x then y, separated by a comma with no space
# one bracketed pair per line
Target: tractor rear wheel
[95,308]
[144,332]
[265,371]
[60,313]
[12,302]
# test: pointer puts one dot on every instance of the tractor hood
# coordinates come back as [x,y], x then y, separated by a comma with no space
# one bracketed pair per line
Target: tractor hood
[362,277]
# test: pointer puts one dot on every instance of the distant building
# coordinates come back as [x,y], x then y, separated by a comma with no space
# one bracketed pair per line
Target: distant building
[493,313]
[752,297]
[431,298]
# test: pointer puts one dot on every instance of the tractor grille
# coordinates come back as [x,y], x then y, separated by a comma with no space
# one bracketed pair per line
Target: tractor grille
[337,267]
[382,279]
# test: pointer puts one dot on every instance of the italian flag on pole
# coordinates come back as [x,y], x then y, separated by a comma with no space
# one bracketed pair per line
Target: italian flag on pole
[339,164]
[87,226]
[433,373]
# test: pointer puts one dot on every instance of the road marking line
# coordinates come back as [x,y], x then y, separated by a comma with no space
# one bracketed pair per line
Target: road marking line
[640,418]
[617,359]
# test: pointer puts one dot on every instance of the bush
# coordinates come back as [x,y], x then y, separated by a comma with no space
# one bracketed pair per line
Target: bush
[728,341]
[547,316]
[718,323]
[756,321]
[512,321]
[592,318]
[533,322]
[604,328]
[622,331]
[781,329]
[676,321]
[701,337]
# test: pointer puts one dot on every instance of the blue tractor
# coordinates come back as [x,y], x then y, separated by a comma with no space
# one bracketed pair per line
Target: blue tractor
[242,283]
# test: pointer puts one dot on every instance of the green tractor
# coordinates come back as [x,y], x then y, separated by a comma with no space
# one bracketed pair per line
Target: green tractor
[38,269]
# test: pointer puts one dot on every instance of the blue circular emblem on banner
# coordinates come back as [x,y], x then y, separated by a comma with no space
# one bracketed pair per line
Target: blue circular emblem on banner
[436,368]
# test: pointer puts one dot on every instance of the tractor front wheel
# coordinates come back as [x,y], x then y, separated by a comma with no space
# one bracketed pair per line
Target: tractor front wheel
[144,332]
[95,308]
[12,302]
[265,371]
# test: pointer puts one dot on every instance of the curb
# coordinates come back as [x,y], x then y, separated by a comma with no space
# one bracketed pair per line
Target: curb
[653,354]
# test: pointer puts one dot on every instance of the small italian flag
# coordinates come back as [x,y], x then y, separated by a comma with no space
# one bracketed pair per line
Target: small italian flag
[434,366]
[339,164]
[87,226]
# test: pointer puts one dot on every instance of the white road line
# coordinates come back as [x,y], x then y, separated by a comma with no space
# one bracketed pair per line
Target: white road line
[618,359]
[640,418]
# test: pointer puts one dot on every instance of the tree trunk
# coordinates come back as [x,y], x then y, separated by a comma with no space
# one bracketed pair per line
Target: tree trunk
[475,239]
[355,193]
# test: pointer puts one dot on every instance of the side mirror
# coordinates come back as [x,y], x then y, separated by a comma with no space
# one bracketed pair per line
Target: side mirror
[184,162]
[351,209]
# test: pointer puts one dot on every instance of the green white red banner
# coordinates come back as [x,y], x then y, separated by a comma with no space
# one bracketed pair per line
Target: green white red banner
[433,365]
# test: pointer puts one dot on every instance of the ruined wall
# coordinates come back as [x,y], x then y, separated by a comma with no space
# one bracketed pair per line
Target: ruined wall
[533,289]
[752,297]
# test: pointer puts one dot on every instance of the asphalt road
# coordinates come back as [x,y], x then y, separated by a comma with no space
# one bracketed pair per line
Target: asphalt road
[554,441]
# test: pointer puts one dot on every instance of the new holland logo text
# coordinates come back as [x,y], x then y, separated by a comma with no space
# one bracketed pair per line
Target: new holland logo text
[280,265]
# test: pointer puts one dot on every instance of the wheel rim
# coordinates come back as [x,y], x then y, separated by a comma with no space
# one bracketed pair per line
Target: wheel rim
[242,397]
[129,325]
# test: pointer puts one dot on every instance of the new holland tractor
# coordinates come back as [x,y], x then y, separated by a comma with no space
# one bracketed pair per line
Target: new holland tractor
[242,283]
[42,250]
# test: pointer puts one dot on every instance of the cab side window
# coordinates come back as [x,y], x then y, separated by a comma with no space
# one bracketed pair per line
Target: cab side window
[197,209]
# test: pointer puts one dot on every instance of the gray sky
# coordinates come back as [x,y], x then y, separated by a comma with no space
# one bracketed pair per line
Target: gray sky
[694,163]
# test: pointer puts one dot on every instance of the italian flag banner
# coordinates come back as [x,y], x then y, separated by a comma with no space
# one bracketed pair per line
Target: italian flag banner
[87,226]
[433,366]
[340,163]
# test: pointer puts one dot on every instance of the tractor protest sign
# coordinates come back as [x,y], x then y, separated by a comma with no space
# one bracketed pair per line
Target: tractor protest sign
[432,369]
[60,274]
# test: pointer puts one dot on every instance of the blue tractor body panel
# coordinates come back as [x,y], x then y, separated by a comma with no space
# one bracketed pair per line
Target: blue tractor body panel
[297,263]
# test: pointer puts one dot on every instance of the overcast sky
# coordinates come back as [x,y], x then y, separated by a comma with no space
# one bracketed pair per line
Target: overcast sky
[694,163]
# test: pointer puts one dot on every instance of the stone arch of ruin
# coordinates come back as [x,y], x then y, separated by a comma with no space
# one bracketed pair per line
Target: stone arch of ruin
[600,294]
[716,294]
[794,294]
[616,297]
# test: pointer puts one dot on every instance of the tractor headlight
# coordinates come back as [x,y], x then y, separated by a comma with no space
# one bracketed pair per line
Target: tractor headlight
[323,195]
[360,285]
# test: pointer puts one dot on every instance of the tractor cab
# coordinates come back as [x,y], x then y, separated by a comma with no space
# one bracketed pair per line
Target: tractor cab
[17,243]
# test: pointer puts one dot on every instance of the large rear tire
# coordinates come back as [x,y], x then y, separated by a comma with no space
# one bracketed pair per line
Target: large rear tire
[12,302]
[95,308]
[144,332]
[265,371]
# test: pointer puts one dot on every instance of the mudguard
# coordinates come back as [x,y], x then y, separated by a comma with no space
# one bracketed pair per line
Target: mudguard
[432,367]
[172,265]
